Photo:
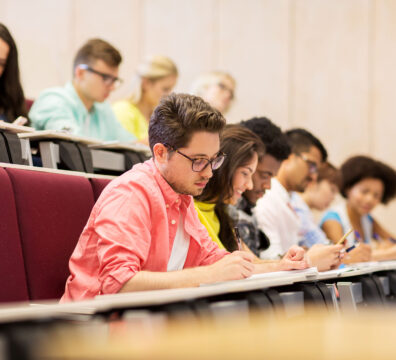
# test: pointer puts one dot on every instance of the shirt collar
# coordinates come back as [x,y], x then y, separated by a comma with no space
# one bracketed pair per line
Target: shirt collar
[171,196]
[279,189]
[298,202]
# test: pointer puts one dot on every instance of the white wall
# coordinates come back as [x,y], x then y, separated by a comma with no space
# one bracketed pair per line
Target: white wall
[328,65]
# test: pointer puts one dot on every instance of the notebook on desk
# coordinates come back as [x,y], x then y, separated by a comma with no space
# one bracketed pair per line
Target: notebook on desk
[297,275]
[309,274]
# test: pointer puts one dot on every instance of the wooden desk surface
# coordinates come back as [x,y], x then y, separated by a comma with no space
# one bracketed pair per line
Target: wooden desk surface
[103,303]
[316,335]
[52,134]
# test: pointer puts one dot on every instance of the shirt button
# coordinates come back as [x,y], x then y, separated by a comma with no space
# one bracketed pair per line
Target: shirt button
[177,200]
[173,222]
[167,206]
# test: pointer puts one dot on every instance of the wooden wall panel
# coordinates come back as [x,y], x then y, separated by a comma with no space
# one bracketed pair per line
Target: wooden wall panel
[119,24]
[253,46]
[183,30]
[41,29]
[330,80]
[384,80]
[383,94]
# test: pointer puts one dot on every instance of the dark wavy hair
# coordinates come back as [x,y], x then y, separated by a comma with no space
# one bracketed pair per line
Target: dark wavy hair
[12,98]
[178,116]
[275,141]
[360,167]
[239,144]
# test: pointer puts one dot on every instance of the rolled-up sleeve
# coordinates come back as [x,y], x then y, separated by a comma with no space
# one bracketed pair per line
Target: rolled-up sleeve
[124,237]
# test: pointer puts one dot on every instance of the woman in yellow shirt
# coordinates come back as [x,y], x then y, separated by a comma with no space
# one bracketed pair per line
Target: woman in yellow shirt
[154,78]
[241,147]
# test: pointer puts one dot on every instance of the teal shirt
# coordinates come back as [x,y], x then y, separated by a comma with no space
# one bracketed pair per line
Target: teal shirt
[61,108]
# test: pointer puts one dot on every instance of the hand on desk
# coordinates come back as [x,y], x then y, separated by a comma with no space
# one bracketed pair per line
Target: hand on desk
[294,259]
[385,251]
[360,253]
[235,266]
[325,257]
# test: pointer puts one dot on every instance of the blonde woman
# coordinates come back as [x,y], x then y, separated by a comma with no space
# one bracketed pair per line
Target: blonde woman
[217,88]
[154,78]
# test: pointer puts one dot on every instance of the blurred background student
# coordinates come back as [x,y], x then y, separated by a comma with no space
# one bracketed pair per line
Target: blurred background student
[242,148]
[80,107]
[318,195]
[366,183]
[217,88]
[12,99]
[154,78]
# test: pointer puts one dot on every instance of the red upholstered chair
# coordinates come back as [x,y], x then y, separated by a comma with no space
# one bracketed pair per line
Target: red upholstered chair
[52,212]
[13,285]
[29,104]
[98,185]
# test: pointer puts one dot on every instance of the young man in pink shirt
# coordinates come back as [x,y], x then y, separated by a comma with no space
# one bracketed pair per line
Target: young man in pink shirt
[143,232]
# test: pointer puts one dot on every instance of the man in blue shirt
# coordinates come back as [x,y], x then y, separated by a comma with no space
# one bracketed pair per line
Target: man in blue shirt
[79,107]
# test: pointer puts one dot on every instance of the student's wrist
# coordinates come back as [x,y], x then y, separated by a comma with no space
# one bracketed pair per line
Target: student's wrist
[206,274]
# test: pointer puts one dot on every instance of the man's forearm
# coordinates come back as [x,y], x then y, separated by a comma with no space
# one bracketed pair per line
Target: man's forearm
[147,280]
[263,266]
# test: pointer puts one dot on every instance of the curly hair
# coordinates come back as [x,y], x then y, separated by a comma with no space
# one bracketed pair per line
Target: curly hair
[360,167]
[275,141]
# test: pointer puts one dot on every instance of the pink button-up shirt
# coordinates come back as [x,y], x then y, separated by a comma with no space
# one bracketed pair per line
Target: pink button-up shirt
[131,228]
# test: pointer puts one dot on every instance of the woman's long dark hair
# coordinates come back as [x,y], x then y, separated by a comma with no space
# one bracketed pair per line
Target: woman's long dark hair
[239,144]
[12,99]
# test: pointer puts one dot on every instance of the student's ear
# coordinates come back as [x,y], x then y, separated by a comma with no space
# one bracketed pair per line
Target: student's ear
[146,84]
[160,152]
[78,73]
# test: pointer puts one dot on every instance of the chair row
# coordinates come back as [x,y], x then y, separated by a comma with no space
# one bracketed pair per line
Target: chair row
[42,215]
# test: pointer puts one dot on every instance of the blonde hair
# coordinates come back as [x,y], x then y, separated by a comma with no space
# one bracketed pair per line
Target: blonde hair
[204,81]
[153,68]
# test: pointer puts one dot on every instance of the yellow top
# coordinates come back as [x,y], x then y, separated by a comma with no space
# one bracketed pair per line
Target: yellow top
[209,219]
[131,118]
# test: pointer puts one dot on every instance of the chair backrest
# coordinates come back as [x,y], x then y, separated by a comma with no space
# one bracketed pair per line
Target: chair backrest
[52,212]
[98,185]
[13,276]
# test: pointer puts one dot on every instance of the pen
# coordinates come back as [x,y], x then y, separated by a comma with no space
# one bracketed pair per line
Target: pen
[344,237]
[349,249]
[238,238]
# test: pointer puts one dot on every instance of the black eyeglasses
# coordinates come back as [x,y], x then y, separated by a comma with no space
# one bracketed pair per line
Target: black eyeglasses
[107,78]
[312,166]
[200,164]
